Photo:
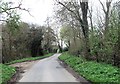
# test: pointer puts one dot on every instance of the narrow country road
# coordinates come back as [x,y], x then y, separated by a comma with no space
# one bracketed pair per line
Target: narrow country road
[48,70]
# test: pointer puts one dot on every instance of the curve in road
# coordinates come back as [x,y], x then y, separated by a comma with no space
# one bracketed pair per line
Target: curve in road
[48,70]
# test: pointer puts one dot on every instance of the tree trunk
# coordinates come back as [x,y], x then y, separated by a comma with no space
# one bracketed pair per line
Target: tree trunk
[85,28]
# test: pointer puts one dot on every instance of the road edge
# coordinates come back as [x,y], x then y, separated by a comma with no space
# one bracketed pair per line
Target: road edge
[79,78]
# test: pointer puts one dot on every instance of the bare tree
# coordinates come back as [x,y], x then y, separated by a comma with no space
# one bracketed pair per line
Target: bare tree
[106,11]
[80,16]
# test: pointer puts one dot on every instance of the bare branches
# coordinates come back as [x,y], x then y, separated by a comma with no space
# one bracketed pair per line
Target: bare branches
[6,10]
[67,8]
[76,14]
[102,6]
[108,4]
[107,12]
[17,7]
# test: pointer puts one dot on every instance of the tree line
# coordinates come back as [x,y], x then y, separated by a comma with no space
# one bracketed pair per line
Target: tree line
[81,32]
[20,39]
[94,39]
[27,41]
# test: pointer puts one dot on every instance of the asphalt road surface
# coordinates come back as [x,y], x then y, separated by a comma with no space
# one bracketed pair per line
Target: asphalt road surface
[48,70]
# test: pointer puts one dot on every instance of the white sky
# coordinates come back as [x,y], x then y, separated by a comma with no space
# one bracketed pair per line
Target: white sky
[41,9]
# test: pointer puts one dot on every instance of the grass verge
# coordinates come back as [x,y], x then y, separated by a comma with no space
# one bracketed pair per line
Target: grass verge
[99,73]
[6,71]
[30,59]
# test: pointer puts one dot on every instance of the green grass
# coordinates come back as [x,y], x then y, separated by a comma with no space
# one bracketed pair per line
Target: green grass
[93,71]
[29,59]
[6,72]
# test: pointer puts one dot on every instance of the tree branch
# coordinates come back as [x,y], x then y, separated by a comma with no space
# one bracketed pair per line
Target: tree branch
[67,8]
[12,8]
[102,6]
[76,15]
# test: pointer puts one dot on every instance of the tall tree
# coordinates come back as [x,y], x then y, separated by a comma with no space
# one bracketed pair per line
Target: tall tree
[106,11]
[74,8]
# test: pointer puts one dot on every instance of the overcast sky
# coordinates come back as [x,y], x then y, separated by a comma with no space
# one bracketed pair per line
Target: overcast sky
[41,9]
